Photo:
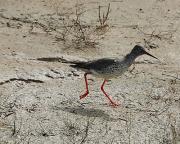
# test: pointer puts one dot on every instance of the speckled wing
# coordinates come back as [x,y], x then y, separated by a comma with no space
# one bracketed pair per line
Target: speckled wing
[96,65]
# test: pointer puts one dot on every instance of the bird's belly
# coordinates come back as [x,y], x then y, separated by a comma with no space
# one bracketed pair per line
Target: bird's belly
[108,74]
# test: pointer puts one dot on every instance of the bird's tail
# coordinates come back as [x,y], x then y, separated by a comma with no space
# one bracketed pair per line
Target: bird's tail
[78,65]
[74,64]
[59,59]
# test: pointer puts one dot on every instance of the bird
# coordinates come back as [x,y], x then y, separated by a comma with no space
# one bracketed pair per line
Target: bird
[108,68]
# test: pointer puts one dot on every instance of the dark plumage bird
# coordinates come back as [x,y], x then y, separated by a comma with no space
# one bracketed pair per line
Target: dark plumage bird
[107,68]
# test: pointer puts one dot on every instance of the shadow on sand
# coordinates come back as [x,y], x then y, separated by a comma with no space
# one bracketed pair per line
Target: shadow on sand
[89,112]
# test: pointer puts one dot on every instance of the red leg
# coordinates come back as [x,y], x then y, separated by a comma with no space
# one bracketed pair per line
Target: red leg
[111,101]
[87,91]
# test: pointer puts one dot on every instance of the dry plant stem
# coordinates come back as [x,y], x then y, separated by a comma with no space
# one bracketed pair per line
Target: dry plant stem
[21,79]
[104,18]
[162,35]
[100,15]
[86,132]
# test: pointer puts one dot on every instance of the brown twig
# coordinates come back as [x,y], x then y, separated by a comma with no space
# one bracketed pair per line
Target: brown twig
[86,133]
[106,17]
[21,79]
[154,35]
[103,19]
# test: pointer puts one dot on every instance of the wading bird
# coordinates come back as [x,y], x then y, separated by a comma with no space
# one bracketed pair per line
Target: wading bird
[107,68]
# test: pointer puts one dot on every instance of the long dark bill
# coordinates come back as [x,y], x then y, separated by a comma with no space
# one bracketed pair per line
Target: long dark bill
[150,55]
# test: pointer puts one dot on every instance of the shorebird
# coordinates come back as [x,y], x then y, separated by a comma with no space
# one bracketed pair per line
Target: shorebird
[108,68]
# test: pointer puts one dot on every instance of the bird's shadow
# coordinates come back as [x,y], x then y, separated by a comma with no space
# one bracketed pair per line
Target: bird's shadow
[89,112]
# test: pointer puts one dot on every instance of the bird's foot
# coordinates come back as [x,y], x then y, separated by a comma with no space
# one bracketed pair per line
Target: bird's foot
[114,104]
[84,95]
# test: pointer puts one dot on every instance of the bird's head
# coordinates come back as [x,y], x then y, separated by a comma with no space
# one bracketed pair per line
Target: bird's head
[139,50]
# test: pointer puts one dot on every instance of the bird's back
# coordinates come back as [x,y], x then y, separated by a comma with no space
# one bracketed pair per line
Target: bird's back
[99,64]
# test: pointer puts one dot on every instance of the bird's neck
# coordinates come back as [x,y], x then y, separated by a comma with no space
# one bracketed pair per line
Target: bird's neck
[130,58]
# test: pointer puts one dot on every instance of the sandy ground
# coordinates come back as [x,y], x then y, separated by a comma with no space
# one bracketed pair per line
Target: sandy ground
[39,101]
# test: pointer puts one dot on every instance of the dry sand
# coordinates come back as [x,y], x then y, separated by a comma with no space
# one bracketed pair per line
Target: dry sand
[39,101]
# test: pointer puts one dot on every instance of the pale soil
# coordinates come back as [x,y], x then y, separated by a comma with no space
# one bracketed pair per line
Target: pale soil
[40,102]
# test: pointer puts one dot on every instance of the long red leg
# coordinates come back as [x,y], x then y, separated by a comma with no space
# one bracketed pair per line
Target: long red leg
[87,90]
[111,101]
